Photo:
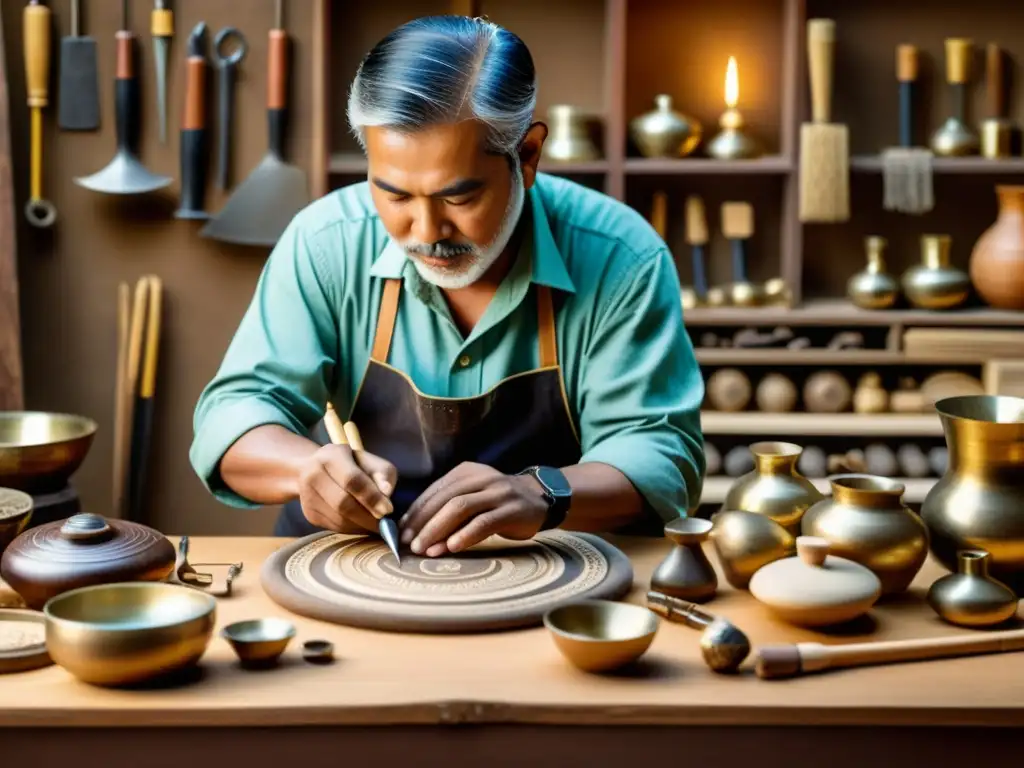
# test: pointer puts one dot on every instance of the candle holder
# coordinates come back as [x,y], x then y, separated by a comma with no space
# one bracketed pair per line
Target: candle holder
[732,142]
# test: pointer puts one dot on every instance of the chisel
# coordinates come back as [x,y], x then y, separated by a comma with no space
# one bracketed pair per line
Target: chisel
[193,129]
[36,20]
[78,97]
[162,28]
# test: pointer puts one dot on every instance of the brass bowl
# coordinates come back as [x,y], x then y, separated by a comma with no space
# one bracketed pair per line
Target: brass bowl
[130,632]
[259,642]
[601,635]
[39,451]
[15,512]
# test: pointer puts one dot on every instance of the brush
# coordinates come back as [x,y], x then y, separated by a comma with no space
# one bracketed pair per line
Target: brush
[738,227]
[906,169]
[824,146]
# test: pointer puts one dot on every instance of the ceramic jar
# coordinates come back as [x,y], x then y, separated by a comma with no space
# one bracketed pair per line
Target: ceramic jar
[997,262]
[686,572]
[663,132]
[873,287]
[935,283]
[775,488]
[569,139]
[979,502]
[745,542]
[865,520]
[971,597]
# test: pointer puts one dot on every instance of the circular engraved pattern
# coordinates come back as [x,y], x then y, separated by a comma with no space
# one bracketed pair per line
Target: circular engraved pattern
[13,503]
[498,584]
[47,543]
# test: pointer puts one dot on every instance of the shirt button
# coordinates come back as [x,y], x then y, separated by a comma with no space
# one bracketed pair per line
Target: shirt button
[464,361]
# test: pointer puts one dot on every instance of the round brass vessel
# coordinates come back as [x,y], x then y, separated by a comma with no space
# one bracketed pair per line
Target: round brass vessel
[601,635]
[774,488]
[15,513]
[866,521]
[746,541]
[971,597]
[39,451]
[122,634]
[935,283]
[979,502]
[663,132]
[686,572]
[873,287]
[259,642]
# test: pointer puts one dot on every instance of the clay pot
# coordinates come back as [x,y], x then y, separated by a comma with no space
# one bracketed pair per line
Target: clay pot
[997,261]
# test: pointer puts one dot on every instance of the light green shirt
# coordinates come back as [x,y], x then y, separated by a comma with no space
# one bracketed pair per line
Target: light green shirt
[631,377]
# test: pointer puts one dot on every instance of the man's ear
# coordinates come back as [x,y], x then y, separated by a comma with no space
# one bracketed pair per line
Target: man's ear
[529,152]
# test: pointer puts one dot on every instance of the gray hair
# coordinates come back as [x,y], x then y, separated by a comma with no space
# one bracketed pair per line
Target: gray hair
[443,69]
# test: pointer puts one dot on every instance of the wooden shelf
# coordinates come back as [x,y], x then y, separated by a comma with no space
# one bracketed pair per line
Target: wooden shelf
[716,487]
[821,424]
[707,166]
[812,357]
[842,312]
[975,165]
[346,163]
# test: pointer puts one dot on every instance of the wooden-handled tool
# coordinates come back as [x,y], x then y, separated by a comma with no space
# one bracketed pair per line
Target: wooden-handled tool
[697,238]
[781,661]
[36,20]
[78,97]
[999,136]
[906,169]
[121,395]
[348,434]
[130,376]
[142,429]
[193,129]
[162,28]
[907,68]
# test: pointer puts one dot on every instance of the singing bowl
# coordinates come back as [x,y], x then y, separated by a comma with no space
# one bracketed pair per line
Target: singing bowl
[39,451]
[601,635]
[15,513]
[128,633]
[259,642]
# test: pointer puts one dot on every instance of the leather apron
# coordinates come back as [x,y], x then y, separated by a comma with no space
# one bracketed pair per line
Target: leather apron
[522,421]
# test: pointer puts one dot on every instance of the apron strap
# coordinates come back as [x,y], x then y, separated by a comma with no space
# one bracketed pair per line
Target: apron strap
[386,320]
[546,328]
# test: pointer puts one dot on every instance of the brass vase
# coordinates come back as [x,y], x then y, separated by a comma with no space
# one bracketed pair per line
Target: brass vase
[997,261]
[775,488]
[935,283]
[873,287]
[663,132]
[746,541]
[971,597]
[979,502]
[686,572]
[867,522]
[569,140]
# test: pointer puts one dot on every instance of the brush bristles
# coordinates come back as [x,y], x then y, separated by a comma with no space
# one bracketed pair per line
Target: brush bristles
[737,220]
[696,223]
[777,661]
[824,173]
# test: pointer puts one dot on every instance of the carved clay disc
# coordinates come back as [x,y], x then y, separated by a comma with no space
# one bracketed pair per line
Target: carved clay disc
[498,584]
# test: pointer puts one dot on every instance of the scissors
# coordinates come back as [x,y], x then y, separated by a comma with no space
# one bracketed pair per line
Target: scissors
[229,48]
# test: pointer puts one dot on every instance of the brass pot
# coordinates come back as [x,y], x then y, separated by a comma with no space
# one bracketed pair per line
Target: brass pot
[663,132]
[569,140]
[971,597]
[40,451]
[867,522]
[746,541]
[935,283]
[873,287]
[15,512]
[979,502]
[774,488]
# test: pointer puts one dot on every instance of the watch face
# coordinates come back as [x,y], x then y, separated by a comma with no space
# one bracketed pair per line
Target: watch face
[554,480]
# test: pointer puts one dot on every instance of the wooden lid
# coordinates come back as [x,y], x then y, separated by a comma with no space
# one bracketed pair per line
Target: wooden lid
[814,579]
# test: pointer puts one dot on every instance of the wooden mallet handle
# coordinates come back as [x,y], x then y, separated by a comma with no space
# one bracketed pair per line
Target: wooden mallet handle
[821,39]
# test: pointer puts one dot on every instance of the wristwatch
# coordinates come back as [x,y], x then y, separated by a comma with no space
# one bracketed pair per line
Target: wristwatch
[557,493]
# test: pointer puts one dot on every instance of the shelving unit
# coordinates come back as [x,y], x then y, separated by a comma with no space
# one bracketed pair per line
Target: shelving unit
[715,488]
[821,424]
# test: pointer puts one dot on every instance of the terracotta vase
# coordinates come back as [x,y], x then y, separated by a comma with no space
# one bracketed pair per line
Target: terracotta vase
[997,261]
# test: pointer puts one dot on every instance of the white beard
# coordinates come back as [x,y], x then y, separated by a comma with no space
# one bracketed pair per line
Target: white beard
[474,265]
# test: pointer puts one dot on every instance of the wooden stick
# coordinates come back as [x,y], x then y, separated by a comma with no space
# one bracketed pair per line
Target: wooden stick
[135,337]
[143,427]
[803,658]
[335,429]
[120,399]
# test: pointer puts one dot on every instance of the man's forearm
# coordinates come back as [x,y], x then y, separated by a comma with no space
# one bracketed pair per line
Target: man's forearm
[603,499]
[263,464]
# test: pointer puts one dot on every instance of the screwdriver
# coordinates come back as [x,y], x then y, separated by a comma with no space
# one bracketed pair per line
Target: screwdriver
[162,28]
[37,37]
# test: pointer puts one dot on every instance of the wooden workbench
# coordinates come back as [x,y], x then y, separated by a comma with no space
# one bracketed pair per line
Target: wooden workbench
[522,701]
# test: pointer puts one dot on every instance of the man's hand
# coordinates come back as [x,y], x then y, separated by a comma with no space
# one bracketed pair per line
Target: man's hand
[342,492]
[470,503]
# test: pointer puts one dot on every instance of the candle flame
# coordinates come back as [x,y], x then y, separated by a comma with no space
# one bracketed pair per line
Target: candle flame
[732,84]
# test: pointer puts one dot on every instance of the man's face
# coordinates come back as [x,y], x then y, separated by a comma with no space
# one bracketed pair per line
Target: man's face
[450,205]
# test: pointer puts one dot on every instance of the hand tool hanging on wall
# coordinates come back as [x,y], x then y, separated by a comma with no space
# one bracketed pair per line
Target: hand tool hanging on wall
[226,61]
[125,175]
[193,146]
[264,204]
[907,170]
[142,432]
[162,28]
[121,400]
[133,366]
[78,107]
[36,30]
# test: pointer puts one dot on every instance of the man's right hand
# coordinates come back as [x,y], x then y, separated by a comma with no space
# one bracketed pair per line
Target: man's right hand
[339,489]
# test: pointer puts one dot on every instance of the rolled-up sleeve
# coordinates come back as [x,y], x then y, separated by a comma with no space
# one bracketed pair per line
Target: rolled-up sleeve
[280,364]
[642,389]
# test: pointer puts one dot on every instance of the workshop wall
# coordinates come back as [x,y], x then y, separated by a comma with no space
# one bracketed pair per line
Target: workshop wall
[70,273]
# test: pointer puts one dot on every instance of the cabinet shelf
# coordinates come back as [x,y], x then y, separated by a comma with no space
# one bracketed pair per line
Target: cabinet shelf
[917,488]
[973,165]
[708,167]
[738,356]
[347,163]
[822,424]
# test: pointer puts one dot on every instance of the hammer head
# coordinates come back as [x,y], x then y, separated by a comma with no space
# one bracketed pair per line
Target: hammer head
[723,646]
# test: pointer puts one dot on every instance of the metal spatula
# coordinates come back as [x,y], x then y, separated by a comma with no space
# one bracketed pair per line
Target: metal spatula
[79,97]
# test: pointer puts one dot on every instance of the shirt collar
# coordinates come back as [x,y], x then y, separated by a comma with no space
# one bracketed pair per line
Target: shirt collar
[548,265]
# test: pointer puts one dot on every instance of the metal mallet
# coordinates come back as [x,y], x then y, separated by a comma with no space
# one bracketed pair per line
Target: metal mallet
[723,646]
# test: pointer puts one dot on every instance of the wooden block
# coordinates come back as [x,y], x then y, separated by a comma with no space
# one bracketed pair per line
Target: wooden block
[967,343]
[1004,377]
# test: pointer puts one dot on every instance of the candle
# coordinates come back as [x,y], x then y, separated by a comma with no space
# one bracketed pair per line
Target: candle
[732,143]
[732,84]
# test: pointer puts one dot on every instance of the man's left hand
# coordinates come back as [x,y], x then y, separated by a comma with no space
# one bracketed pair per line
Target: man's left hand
[470,503]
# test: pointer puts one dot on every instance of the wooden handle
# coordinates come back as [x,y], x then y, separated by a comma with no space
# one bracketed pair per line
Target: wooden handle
[162,22]
[195,94]
[907,63]
[994,75]
[355,440]
[659,213]
[124,69]
[821,37]
[958,59]
[277,70]
[335,430]
[148,386]
[120,398]
[37,35]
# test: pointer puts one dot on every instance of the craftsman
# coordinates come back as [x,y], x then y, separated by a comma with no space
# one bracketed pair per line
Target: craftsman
[509,344]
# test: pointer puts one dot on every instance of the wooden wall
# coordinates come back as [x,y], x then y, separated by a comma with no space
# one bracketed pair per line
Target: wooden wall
[69,275]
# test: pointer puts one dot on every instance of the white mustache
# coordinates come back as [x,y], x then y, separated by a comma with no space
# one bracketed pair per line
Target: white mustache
[439,250]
